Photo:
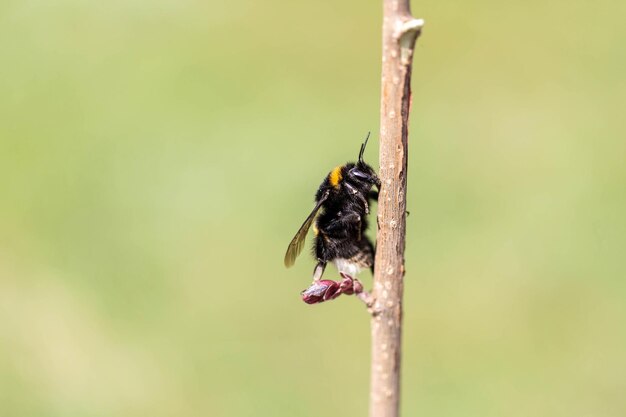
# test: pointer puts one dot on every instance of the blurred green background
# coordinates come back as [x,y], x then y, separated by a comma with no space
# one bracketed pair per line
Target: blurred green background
[157,157]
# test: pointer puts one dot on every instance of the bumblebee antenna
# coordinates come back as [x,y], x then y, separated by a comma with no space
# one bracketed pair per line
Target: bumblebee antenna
[363,147]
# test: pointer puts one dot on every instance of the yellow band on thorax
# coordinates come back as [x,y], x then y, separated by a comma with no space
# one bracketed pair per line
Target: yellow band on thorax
[335,177]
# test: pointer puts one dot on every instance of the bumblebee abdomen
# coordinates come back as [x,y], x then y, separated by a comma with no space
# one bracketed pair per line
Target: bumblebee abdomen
[357,252]
[364,258]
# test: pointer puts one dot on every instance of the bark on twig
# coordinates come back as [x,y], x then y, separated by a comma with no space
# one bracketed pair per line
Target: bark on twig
[400,31]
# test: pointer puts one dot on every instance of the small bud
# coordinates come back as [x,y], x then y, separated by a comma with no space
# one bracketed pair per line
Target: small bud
[347,286]
[358,287]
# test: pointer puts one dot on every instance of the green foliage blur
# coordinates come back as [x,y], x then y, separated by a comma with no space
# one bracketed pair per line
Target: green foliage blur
[156,157]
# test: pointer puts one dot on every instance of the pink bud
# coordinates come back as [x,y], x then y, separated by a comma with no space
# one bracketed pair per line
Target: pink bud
[321,291]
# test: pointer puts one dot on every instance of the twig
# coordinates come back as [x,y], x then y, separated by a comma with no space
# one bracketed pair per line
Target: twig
[400,31]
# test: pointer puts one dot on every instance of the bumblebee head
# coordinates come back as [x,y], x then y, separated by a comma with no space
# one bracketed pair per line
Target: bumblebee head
[362,174]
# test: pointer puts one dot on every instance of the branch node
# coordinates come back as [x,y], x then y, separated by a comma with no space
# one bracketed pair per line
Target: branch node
[411,26]
[408,32]
[369,301]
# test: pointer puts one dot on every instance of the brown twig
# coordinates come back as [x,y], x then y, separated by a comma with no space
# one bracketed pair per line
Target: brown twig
[400,31]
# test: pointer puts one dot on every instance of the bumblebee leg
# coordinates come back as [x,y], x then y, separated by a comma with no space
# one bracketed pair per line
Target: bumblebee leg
[365,203]
[360,197]
[373,195]
[378,183]
[319,270]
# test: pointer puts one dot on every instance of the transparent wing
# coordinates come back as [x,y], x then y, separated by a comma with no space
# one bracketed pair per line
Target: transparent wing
[297,243]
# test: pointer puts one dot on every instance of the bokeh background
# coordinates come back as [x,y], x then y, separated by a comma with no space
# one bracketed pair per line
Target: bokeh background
[156,157]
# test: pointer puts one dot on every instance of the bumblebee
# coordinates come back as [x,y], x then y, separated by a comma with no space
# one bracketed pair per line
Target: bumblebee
[339,220]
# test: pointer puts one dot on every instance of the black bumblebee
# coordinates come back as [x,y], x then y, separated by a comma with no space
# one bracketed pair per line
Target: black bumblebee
[341,206]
